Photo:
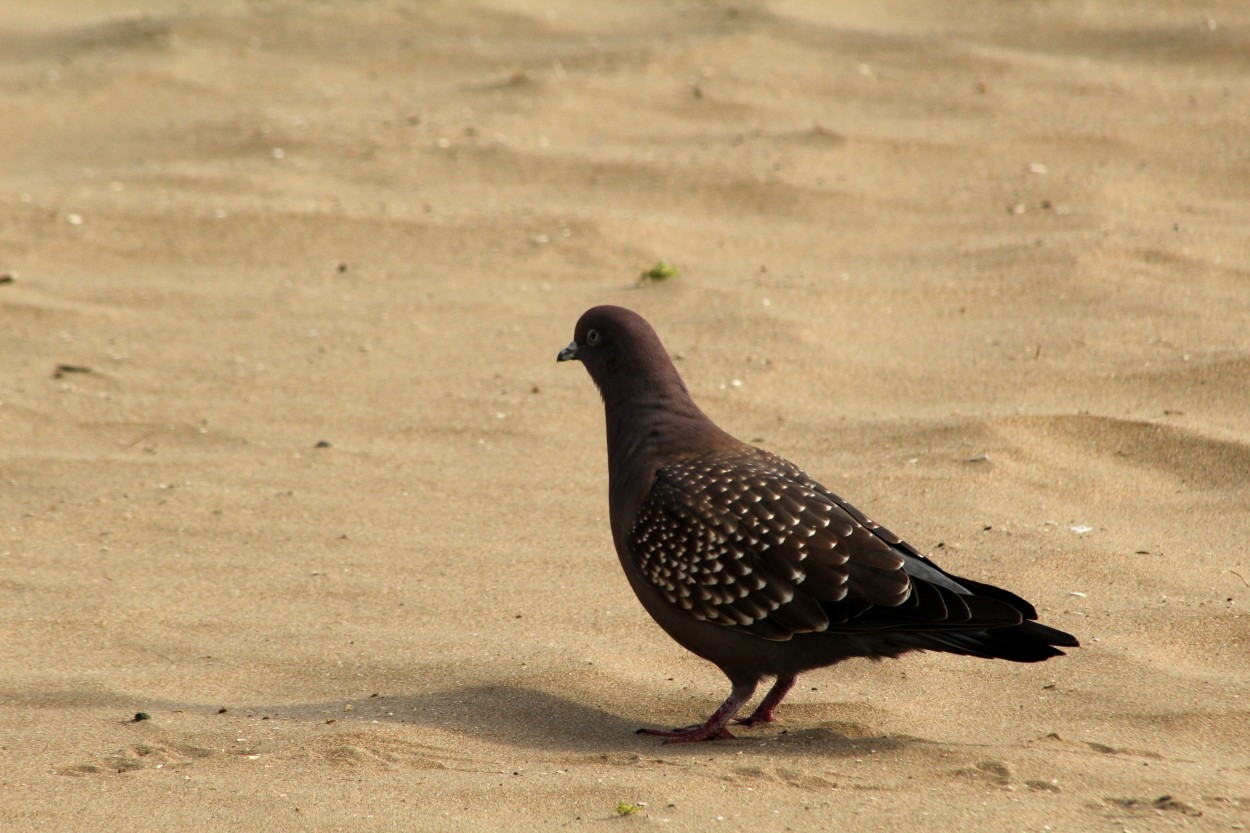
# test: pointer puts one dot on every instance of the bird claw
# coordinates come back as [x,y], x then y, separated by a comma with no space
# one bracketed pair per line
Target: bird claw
[689,734]
[756,717]
[754,720]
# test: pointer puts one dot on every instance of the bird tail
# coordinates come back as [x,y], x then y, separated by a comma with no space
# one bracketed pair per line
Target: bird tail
[1027,642]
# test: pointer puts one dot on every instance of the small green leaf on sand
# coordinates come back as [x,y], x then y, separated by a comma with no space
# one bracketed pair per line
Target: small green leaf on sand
[625,808]
[661,271]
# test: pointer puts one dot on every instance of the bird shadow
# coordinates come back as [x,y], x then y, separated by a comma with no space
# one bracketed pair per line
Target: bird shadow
[541,720]
[518,716]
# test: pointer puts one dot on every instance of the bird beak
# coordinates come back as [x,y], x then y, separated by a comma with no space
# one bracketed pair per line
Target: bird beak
[568,353]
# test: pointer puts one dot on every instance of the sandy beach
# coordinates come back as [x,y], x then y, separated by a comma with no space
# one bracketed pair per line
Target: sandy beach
[288,465]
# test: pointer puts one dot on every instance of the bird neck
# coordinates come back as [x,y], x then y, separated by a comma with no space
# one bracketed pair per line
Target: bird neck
[652,422]
[656,427]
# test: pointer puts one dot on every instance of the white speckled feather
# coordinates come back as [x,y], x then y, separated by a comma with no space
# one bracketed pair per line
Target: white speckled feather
[747,540]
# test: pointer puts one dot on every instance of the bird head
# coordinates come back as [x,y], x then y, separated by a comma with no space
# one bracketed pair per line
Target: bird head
[616,343]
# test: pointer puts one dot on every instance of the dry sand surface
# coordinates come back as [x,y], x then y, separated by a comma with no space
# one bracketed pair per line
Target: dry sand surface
[981,267]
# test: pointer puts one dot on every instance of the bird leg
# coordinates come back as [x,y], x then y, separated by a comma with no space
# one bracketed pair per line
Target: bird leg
[764,711]
[715,727]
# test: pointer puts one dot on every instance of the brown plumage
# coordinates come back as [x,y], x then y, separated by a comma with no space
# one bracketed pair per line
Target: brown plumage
[746,561]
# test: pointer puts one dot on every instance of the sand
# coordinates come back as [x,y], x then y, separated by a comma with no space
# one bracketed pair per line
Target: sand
[312,493]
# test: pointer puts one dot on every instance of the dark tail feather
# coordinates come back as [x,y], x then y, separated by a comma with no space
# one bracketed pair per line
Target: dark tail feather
[1029,642]
[1052,635]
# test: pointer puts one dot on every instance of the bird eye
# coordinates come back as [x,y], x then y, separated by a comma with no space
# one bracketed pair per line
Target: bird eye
[592,337]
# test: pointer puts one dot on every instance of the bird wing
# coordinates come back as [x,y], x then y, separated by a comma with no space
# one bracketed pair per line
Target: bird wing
[749,541]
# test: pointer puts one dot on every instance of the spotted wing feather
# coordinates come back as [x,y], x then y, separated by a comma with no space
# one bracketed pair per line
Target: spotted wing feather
[751,542]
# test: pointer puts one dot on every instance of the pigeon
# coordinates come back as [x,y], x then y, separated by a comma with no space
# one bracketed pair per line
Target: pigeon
[746,561]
